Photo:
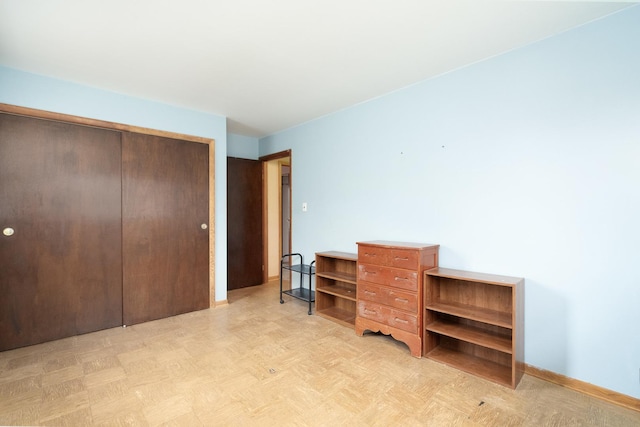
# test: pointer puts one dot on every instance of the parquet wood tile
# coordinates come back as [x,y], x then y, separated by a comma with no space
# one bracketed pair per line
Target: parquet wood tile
[258,362]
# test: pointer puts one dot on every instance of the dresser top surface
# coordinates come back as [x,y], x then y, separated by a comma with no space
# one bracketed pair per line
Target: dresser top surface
[393,244]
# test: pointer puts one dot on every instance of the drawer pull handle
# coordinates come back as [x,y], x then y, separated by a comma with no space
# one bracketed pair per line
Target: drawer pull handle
[398,258]
[404,300]
[401,320]
[368,292]
[370,272]
[368,254]
[367,311]
[401,278]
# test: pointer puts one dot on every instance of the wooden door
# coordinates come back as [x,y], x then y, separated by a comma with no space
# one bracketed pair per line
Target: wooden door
[60,271]
[165,220]
[244,223]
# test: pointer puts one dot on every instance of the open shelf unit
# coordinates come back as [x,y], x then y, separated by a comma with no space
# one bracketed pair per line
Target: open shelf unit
[336,286]
[475,323]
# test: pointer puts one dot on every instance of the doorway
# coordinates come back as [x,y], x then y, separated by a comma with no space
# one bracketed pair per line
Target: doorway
[277,211]
[285,208]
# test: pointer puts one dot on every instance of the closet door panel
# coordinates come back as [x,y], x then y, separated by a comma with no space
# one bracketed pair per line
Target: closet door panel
[165,214]
[60,271]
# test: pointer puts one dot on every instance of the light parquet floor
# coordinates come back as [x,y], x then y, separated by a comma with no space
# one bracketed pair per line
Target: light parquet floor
[257,362]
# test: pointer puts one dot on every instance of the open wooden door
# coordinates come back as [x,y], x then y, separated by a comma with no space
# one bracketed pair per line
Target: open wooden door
[244,223]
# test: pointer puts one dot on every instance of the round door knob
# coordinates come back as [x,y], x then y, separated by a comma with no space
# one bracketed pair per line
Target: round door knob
[8,231]
[203,226]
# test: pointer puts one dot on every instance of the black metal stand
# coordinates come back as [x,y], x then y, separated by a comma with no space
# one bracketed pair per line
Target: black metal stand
[286,263]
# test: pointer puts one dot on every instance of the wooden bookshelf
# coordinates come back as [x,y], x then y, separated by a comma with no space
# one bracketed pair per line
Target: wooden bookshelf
[336,286]
[475,322]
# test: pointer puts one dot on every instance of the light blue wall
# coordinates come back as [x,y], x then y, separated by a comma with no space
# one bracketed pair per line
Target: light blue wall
[44,93]
[527,164]
[242,147]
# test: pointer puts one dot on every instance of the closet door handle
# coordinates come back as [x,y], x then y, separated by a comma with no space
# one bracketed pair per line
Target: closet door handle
[8,231]
[204,226]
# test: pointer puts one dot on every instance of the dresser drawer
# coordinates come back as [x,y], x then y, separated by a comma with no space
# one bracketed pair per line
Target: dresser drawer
[400,258]
[403,300]
[388,316]
[395,277]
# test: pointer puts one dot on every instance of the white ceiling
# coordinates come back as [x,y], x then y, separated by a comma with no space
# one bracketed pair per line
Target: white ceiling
[270,65]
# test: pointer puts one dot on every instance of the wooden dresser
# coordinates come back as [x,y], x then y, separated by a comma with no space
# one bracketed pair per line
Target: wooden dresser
[389,289]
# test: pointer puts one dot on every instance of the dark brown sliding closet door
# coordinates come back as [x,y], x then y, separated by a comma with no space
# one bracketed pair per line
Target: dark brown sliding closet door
[60,270]
[165,196]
